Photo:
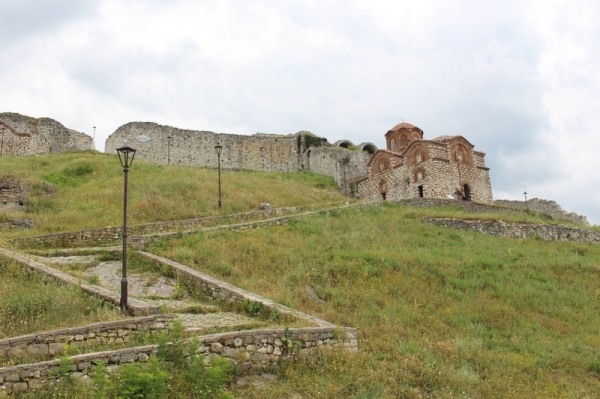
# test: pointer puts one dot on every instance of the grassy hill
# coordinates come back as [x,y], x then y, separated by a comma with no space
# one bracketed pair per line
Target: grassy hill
[74,191]
[440,313]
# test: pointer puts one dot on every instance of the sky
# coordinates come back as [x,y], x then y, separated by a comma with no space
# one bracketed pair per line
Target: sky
[519,79]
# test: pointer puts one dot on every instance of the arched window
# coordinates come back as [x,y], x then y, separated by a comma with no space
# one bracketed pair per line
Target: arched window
[380,164]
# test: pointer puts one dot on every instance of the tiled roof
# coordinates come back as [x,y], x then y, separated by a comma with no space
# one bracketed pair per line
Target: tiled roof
[403,125]
[444,138]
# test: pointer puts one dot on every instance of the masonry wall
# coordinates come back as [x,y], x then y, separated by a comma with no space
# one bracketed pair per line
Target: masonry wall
[521,230]
[266,152]
[190,147]
[253,348]
[345,166]
[114,332]
[22,135]
[111,235]
[438,176]
[544,206]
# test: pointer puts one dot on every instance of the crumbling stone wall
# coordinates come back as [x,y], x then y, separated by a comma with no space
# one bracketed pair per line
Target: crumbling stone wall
[345,166]
[191,147]
[22,135]
[544,206]
[267,152]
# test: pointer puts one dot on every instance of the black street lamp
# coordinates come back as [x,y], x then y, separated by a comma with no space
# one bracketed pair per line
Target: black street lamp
[218,149]
[169,137]
[126,155]
[526,205]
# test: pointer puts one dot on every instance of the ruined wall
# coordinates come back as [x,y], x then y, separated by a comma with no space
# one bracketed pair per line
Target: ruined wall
[544,206]
[266,152]
[190,147]
[22,135]
[345,166]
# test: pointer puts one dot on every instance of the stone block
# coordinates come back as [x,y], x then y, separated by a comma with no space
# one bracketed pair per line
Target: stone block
[19,387]
[38,349]
[216,347]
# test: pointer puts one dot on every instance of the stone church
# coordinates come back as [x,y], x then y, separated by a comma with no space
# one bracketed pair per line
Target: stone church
[443,167]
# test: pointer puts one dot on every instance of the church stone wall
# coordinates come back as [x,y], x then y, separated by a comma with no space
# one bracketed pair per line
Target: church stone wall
[22,136]
[427,168]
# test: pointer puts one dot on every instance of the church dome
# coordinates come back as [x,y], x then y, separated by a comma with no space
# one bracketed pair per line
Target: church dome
[403,125]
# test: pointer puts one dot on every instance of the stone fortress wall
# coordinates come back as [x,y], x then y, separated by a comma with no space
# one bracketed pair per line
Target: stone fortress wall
[22,135]
[266,152]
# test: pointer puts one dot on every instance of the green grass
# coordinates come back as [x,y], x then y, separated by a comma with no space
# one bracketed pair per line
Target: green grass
[440,313]
[74,191]
[30,303]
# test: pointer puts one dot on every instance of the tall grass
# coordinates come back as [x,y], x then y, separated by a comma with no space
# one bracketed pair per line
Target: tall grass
[441,313]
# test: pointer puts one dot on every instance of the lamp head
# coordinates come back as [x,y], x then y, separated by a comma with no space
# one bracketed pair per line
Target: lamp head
[218,148]
[126,155]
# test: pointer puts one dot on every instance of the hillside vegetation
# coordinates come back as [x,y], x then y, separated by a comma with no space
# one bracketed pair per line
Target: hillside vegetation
[440,313]
[74,191]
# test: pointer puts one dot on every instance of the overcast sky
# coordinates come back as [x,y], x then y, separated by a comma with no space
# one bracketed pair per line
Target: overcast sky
[519,79]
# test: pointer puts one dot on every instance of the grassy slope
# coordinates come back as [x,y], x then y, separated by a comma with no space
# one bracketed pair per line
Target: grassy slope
[88,191]
[441,313]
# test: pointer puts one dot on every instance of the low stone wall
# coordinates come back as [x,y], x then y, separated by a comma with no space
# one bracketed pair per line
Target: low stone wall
[112,235]
[469,206]
[142,240]
[53,342]
[544,206]
[520,230]
[225,292]
[90,237]
[24,377]
[266,346]
[253,348]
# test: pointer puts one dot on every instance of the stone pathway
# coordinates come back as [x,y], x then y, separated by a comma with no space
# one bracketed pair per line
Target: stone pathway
[159,290]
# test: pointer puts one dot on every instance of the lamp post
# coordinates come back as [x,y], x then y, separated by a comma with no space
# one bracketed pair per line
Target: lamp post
[218,149]
[126,155]
[526,205]
[169,137]
[94,139]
